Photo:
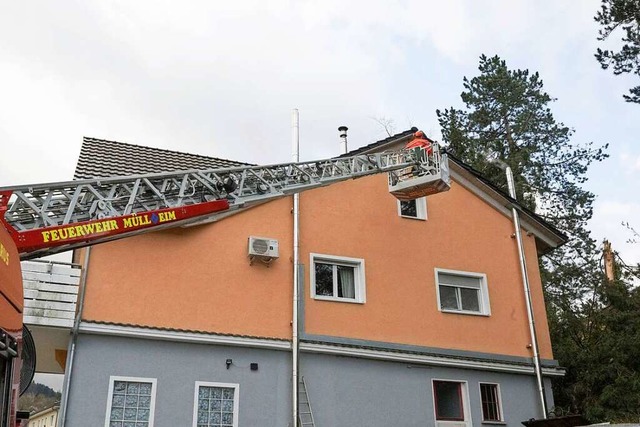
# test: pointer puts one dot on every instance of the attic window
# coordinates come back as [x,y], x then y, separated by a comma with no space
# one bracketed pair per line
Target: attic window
[414,209]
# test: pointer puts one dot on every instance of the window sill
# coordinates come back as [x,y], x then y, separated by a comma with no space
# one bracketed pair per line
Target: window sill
[334,299]
[498,423]
[468,313]
[413,217]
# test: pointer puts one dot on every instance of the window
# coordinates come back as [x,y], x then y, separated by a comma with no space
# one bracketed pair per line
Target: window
[131,402]
[216,405]
[462,292]
[416,209]
[450,400]
[490,398]
[337,278]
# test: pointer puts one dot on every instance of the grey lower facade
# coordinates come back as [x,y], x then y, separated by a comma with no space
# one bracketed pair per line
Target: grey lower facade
[343,390]
[346,391]
[263,395]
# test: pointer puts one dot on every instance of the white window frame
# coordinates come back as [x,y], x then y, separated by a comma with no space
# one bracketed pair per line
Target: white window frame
[421,209]
[358,276]
[152,407]
[485,306]
[236,399]
[466,408]
[500,410]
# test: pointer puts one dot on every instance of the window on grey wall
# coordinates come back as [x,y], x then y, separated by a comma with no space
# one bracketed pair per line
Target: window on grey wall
[448,401]
[217,405]
[491,405]
[131,402]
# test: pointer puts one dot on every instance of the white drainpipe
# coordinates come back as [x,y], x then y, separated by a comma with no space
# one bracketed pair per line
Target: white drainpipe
[527,294]
[295,157]
[62,416]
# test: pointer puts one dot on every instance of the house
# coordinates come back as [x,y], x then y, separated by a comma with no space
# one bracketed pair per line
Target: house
[47,417]
[410,314]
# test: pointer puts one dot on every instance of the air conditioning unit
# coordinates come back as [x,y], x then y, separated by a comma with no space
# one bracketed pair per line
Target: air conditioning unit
[264,249]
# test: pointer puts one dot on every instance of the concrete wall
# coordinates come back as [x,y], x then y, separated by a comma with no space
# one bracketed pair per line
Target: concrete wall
[356,392]
[264,395]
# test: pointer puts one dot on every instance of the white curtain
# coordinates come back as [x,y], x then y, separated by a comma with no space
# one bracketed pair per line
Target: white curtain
[347,282]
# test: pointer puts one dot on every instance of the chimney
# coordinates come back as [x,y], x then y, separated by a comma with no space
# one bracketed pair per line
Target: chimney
[342,131]
[608,261]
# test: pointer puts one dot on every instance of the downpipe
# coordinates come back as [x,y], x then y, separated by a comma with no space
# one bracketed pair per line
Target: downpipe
[62,419]
[295,157]
[527,294]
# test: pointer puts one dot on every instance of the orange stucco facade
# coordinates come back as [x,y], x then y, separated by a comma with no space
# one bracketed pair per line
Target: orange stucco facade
[200,279]
[197,278]
[462,232]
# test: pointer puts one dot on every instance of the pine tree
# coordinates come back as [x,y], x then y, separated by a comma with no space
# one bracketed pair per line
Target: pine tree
[600,347]
[507,113]
[623,15]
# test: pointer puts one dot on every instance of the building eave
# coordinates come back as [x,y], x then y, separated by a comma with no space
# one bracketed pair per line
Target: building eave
[425,359]
[179,335]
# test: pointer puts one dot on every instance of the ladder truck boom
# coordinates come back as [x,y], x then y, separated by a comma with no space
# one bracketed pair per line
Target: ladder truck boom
[44,219]
[47,218]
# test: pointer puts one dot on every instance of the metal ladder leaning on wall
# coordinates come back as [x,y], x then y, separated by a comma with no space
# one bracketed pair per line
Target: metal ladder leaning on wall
[305,414]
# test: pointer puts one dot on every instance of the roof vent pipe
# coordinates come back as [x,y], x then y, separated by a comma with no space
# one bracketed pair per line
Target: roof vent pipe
[343,139]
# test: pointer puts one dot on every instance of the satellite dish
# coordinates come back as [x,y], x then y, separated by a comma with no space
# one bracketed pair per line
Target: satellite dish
[28,357]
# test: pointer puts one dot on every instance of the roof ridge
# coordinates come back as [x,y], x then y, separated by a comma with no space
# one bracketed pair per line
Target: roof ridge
[375,144]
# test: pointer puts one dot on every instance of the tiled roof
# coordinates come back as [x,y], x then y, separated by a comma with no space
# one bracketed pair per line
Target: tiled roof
[100,158]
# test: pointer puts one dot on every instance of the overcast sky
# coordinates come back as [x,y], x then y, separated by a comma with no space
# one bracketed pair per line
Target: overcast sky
[220,78]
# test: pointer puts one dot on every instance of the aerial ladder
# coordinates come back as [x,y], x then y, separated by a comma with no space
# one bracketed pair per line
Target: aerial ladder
[44,219]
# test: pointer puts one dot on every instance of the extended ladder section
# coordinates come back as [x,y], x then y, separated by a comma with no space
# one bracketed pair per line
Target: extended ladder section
[49,218]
